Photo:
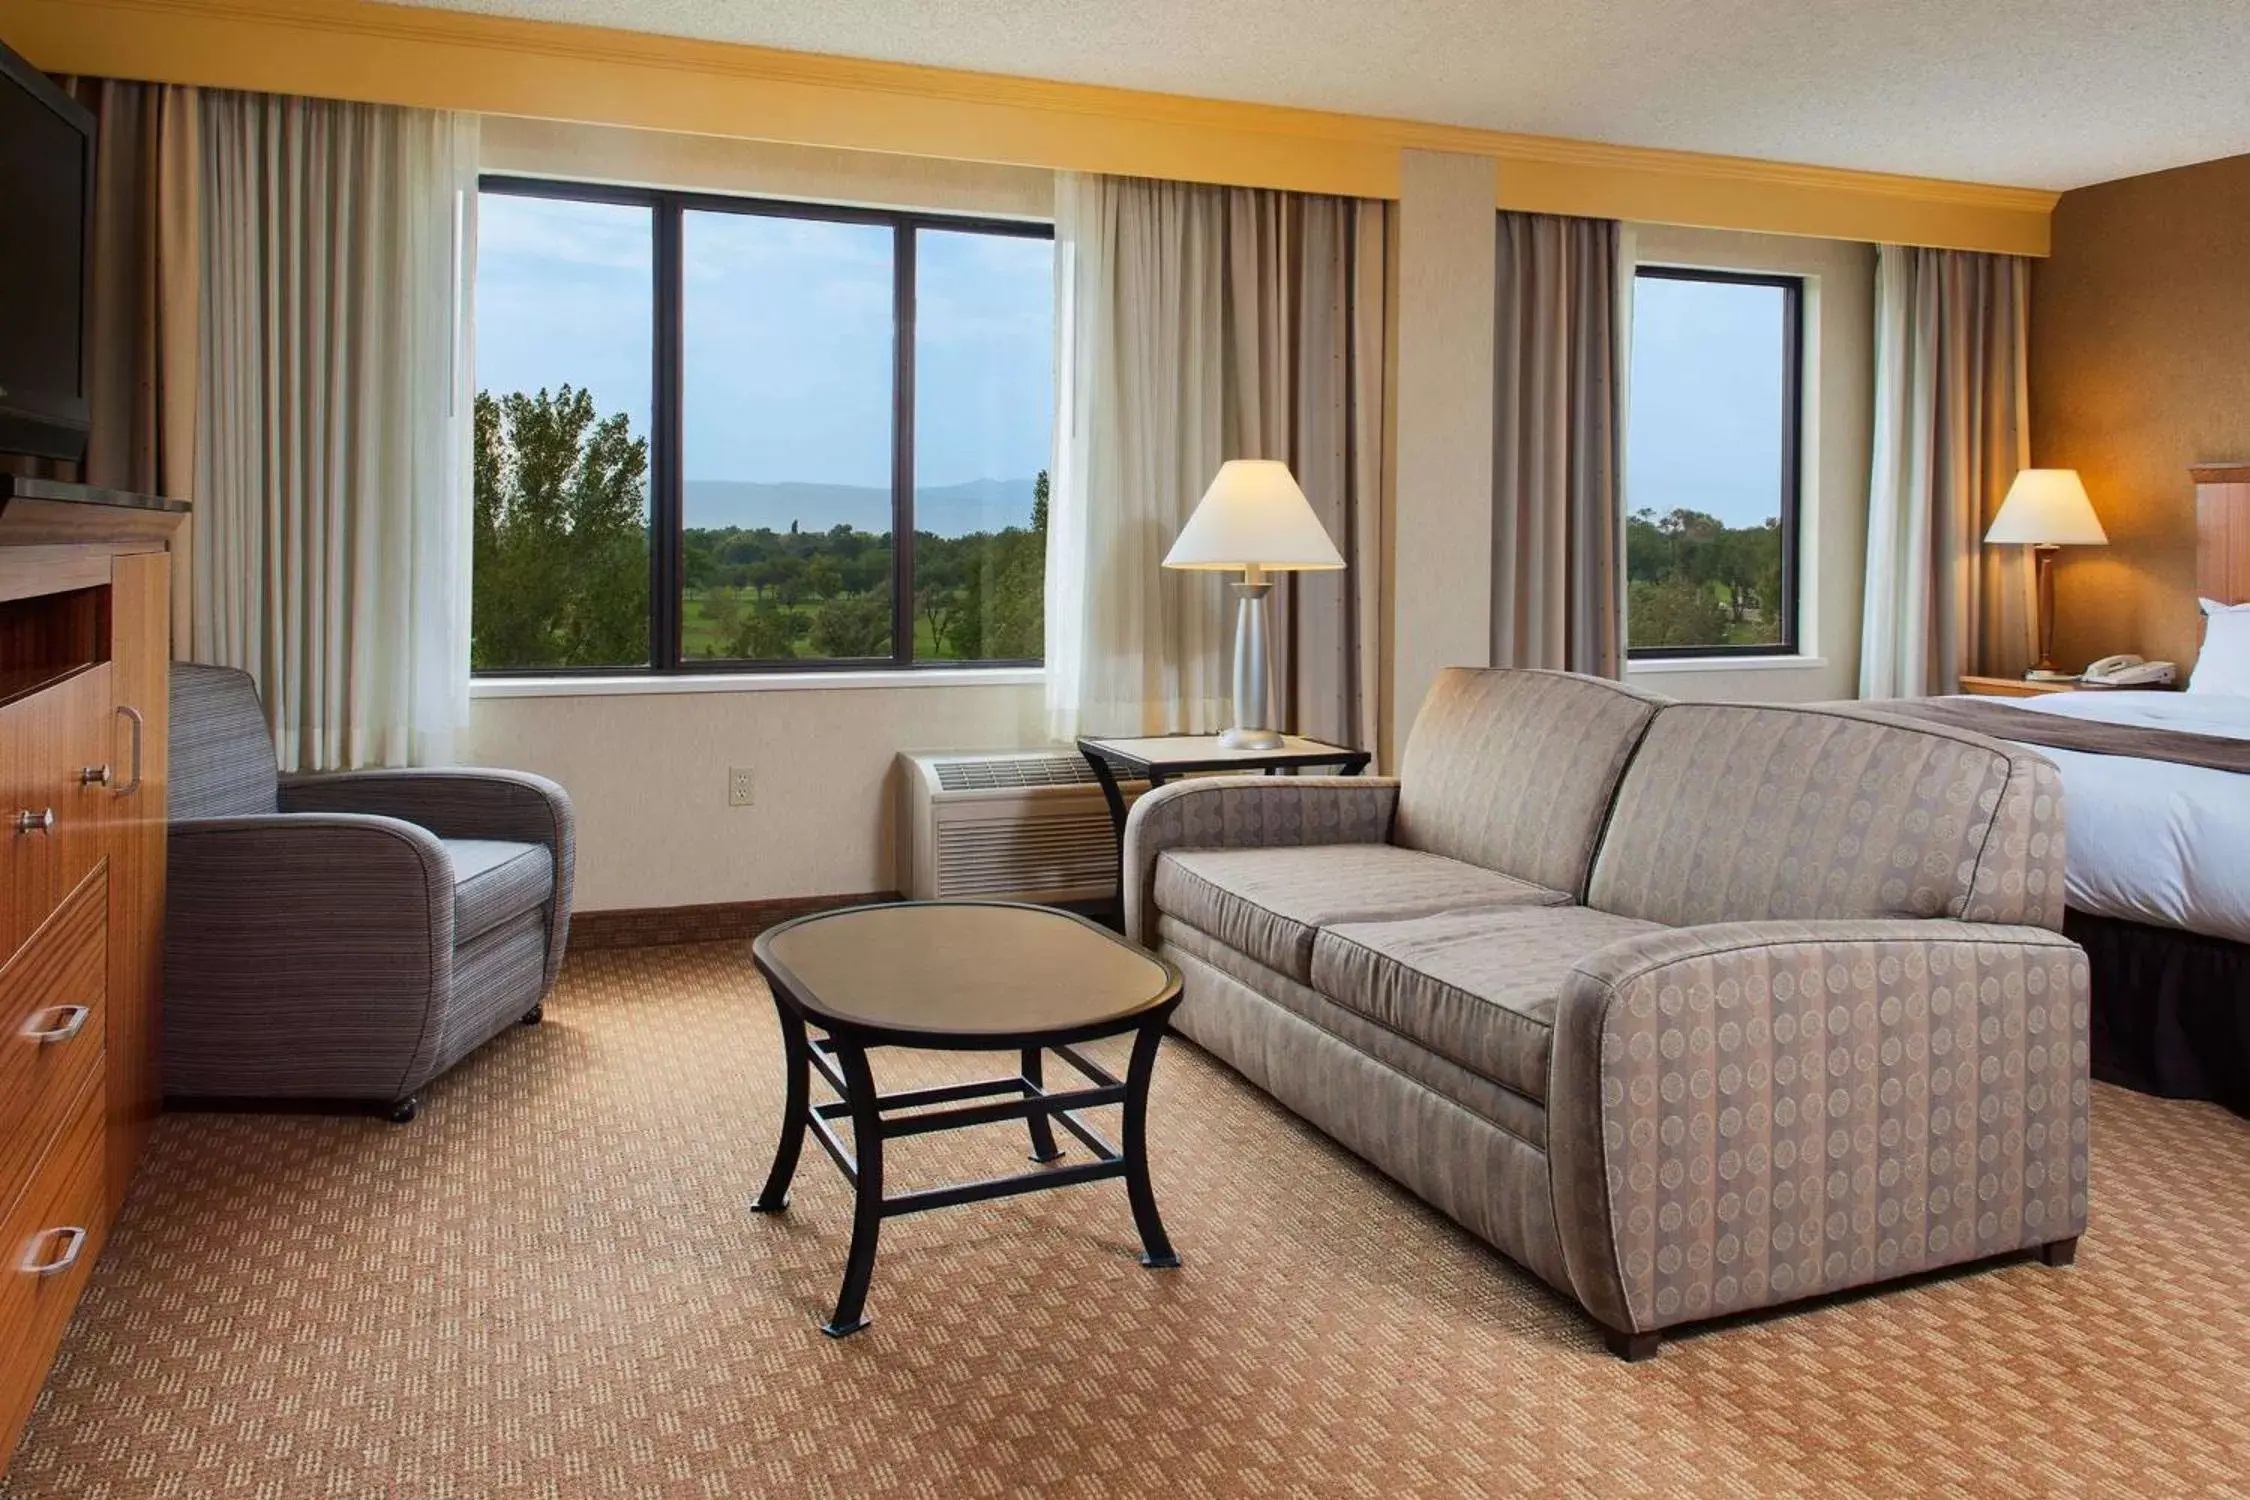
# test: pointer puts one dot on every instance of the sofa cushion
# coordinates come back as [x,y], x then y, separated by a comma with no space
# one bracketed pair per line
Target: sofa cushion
[493,880]
[1514,771]
[1268,902]
[1476,987]
[1737,813]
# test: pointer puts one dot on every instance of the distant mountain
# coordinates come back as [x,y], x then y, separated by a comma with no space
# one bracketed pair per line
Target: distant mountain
[945,510]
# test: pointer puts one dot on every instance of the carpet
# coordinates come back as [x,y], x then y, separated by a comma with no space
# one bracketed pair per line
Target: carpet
[549,1285]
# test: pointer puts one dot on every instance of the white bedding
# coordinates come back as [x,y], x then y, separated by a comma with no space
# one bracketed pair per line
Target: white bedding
[2151,841]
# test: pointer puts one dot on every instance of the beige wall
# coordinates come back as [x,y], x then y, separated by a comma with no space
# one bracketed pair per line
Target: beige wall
[1442,520]
[2140,366]
[1840,411]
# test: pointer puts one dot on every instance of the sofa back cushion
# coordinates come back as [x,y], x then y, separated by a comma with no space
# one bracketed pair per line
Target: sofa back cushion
[1734,812]
[222,761]
[1514,770]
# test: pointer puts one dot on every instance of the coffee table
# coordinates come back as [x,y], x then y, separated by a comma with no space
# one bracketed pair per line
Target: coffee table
[960,976]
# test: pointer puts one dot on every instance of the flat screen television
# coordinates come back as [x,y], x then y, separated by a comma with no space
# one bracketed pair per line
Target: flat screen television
[46,200]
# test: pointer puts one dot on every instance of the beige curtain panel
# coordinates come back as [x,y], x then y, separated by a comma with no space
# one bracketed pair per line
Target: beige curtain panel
[1198,324]
[1952,427]
[1558,436]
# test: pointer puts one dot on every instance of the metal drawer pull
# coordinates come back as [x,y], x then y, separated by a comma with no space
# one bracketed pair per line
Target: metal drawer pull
[140,727]
[73,1239]
[68,1021]
[42,821]
[94,776]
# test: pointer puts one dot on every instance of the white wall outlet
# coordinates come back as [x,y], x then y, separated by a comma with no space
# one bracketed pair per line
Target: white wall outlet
[739,790]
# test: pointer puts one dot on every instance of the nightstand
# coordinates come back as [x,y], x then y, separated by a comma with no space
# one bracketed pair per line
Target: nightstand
[2014,687]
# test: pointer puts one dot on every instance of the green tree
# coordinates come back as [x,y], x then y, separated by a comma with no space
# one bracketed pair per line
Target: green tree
[767,633]
[853,625]
[1674,612]
[560,551]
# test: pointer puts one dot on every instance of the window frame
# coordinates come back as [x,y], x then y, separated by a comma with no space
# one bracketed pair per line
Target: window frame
[1792,288]
[667,435]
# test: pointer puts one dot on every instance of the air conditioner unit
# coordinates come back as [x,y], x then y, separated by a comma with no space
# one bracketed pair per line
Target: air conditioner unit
[1016,825]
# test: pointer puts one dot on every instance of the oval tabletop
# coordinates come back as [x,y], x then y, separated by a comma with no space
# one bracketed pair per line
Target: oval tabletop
[961,968]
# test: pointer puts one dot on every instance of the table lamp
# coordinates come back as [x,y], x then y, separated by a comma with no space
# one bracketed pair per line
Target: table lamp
[1253,517]
[2047,510]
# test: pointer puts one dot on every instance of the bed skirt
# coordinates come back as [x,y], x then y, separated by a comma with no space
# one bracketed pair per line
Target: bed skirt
[2171,1010]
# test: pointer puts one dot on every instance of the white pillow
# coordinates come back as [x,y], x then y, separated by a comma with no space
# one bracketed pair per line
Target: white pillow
[2224,663]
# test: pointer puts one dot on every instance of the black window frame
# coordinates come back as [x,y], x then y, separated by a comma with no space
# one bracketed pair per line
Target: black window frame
[1792,288]
[667,417]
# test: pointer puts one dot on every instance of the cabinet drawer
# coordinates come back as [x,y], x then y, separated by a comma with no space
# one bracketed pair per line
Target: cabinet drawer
[47,1247]
[53,1018]
[48,742]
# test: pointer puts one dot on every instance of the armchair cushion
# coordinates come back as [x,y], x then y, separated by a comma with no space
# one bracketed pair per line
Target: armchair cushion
[222,763]
[494,880]
[1267,903]
[1478,988]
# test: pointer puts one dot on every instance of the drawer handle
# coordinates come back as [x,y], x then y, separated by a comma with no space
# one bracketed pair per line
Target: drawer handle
[69,1241]
[140,727]
[68,1021]
[94,776]
[42,821]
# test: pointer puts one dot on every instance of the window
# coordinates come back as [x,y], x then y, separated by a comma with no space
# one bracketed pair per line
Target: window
[835,424]
[1712,465]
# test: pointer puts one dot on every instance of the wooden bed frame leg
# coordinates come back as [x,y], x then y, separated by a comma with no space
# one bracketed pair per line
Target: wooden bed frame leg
[1632,1347]
[2059,1252]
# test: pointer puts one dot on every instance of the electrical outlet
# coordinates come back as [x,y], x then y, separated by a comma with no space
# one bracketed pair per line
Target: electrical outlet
[739,792]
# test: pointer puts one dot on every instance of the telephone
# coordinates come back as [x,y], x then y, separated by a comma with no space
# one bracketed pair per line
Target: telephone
[2129,671]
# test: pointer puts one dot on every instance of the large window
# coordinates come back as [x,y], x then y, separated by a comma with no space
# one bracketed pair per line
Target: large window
[1712,463]
[833,423]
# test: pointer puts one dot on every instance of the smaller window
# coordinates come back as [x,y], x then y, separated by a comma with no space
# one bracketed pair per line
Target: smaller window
[1712,464]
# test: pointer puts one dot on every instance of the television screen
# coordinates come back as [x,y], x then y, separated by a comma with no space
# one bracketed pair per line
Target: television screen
[46,178]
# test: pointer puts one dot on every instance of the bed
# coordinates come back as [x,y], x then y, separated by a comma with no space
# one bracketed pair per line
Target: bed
[2159,843]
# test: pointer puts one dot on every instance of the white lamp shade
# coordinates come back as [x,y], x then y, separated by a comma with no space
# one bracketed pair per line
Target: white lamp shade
[2047,507]
[1254,516]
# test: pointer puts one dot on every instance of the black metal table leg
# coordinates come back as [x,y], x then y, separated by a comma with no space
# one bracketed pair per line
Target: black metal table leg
[1043,1147]
[1156,1247]
[796,1061]
[867,1205]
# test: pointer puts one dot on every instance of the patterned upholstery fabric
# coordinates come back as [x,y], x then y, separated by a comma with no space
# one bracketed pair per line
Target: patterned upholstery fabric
[1267,902]
[364,937]
[1246,812]
[1522,1118]
[494,880]
[1477,988]
[1738,813]
[1750,1113]
[1514,771]
[222,763]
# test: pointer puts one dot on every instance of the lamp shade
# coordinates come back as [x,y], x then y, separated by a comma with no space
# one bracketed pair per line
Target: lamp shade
[2047,507]
[1253,516]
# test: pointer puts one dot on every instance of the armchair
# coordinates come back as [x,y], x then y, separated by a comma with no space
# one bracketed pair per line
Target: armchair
[346,937]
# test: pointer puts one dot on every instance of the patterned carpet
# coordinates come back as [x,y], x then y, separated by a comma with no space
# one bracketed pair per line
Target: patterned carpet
[548,1285]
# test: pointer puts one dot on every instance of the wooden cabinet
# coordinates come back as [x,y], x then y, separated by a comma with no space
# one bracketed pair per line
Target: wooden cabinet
[2013,687]
[84,682]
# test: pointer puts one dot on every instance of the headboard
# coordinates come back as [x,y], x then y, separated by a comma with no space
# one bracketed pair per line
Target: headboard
[2222,532]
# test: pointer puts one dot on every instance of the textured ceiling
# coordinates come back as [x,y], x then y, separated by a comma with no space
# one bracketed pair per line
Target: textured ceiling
[2035,93]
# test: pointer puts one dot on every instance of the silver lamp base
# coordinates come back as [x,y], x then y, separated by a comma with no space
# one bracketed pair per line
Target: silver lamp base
[1251,695]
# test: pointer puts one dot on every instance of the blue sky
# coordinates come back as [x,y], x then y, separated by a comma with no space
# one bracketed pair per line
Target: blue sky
[788,321]
[1705,426]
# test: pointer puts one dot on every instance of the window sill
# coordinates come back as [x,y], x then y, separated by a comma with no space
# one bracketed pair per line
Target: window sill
[1659,666]
[752,682]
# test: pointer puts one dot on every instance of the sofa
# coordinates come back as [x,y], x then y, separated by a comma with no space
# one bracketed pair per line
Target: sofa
[1689,1009]
[343,938]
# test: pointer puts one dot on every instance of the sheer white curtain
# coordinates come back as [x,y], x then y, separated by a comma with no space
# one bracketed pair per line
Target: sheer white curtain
[1198,324]
[1952,427]
[332,527]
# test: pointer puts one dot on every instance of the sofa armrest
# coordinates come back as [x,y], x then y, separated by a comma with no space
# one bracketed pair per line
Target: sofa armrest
[1246,812]
[1754,1112]
[460,803]
[305,954]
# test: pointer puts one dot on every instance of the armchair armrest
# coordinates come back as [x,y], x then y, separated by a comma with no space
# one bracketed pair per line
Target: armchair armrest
[1753,1112]
[460,803]
[1244,812]
[304,954]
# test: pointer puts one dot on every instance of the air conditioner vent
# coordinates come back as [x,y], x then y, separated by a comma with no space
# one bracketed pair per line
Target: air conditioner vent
[1000,773]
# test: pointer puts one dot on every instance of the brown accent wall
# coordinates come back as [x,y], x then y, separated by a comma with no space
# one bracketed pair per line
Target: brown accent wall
[2140,366]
